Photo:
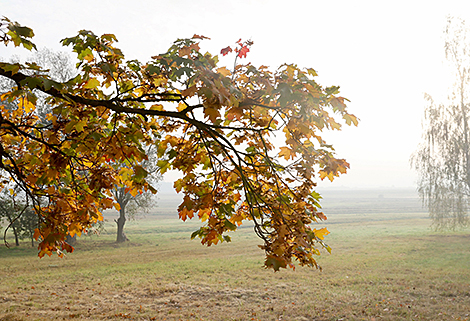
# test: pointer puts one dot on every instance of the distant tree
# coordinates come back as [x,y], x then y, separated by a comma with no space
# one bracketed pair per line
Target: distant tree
[217,128]
[28,223]
[130,205]
[442,159]
[9,213]
[20,217]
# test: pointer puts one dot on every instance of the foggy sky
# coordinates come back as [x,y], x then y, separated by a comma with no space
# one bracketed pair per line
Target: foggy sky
[384,55]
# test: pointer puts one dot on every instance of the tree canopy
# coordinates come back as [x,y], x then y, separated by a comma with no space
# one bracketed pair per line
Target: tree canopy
[219,127]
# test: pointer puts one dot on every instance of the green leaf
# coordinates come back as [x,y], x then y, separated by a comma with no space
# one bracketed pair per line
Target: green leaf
[251,149]
[96,136]
[152,69]
[229,225]
[164,165]
[21,31]
[139,173]
[79,126]
[198,232]
[333,90]
[83,53]
[32,82]
[172,154]
[13,68]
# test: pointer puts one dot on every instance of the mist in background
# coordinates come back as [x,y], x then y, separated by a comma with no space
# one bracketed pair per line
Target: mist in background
[383,55]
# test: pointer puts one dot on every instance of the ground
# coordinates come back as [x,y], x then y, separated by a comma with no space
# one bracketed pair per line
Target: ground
[386,264]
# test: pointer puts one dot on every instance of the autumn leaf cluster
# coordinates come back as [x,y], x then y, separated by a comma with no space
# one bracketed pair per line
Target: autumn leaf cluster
[215,125]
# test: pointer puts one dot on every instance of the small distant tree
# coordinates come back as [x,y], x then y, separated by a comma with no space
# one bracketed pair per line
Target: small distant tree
[129,206]
[9,214]
[132,203]
[20,217]
[442,159]
[28,222]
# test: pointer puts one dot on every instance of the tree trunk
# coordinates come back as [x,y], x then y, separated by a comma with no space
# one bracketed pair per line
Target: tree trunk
[71,240]
[121,236]
[15,232]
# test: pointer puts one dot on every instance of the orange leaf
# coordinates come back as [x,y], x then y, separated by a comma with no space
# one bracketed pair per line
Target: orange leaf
[189,91]
[37,234]
[199,37]
[212,113]
[184,214]
[287,153]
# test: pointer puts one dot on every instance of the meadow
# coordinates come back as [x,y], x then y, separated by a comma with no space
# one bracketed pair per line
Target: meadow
[386,264]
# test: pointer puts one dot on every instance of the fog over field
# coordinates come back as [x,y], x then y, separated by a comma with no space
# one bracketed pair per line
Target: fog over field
[335,201]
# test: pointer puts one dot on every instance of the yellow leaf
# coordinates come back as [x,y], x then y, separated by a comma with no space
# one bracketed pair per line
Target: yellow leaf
[224,71]
[75,228]
[79,125]
[89,57]
[160,81]
[134,192]
[334,124]
[181,106]
[156,107]
[92,83]
[321,233]
[324,174]
[117,206]
[125,173]
[350,119]
[204,214]
[27,105]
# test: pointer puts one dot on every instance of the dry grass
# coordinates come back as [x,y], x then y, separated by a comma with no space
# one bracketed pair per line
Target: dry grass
[384,266]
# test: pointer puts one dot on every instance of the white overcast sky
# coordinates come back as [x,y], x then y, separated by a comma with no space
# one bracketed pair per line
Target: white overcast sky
[384,54]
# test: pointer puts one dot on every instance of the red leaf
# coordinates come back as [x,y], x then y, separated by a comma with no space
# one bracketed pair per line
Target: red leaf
[226,50]
[242,52]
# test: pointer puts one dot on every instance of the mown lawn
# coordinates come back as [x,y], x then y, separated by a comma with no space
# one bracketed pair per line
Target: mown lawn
[386,264]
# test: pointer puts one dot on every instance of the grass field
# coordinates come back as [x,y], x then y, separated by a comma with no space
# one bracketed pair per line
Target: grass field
[386,264]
